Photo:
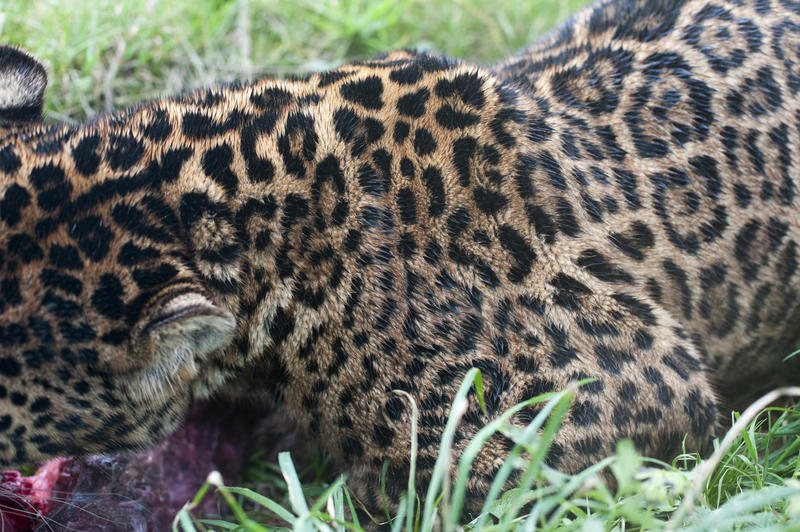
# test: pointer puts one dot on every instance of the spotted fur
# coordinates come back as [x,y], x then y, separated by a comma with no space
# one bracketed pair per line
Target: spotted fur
[616,202]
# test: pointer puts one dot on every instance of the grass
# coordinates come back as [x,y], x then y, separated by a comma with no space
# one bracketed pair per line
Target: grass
[108,54]
[749,483]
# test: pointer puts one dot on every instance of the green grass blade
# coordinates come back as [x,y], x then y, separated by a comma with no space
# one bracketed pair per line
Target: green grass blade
[296,497]
[441,467]
[266,502]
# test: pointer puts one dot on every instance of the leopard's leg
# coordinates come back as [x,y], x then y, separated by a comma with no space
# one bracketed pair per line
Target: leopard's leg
[651,386]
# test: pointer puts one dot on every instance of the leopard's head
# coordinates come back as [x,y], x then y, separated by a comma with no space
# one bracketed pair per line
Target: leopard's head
[106,333]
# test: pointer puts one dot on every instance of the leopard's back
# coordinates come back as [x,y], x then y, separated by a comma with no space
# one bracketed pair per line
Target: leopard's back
[698,102]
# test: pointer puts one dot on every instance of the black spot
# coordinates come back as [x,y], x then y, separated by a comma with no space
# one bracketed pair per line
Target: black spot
[383,163]
[384,318]
[489,201]
[401,131]
[597,264]
[589,446]
[680,279]
[701,413]
[542,222]
[467,86]
[352,241]
[365,92]
[134,220]
[12,334]
[15,199]
[643,339]
[9,367]
[76,332]
[407,203]
[378,217]
[407,75]
[93,236]
[526,364]
[554,455]
[62,281]
[272,99]
[424,142]
[124,151]
[458,222]
[567,222]
[621,417]
[59,306]
[327,169]
[663,392]
[628,391]
[369,181]
[706,167]
[627,183]
[375,130]
[567,283]
[611,360]
[463,151]
[107,297]
[394,408]
[433,253]
[635,241]
[259,169]
[413,103]
[432,179]
[18,398]
[449,118]
[674,366]
[338,214]
[519,249]
[40,404]
[552,168]
[340,357]
[53,189]
[216,164]
[295,209]
[298,125]
[281,327]
[130,254]
[9,161]
[638,308]
[538,130]
[159,127]
[649,416]
[584,414]
[70,424]
[23,246]
[563,353]
[345,121]
[86,156]
[9,291]
[203,126]
[329,78]
[41,329]
[66,257]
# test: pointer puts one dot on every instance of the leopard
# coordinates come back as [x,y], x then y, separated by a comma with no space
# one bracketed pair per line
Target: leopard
[614,205]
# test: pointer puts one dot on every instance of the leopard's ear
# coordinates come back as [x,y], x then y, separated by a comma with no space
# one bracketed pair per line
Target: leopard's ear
[23,81]
[174,338]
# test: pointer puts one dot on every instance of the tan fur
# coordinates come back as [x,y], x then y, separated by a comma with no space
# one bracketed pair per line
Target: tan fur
[616,202]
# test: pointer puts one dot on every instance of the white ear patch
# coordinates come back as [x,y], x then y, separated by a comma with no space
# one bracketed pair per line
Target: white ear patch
[177,340]
[23,81]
